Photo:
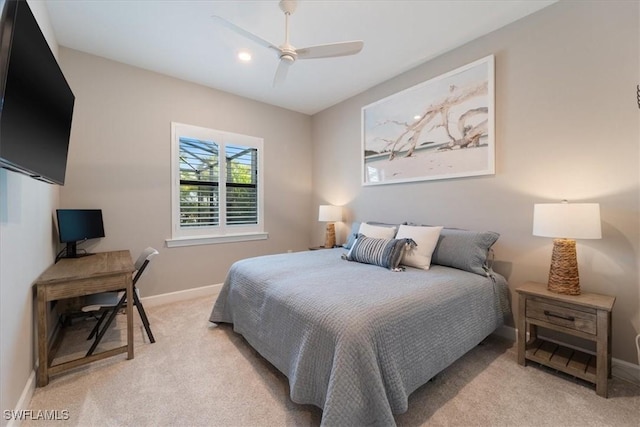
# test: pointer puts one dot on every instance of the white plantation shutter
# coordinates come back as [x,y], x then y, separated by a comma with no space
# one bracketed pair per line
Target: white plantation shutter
[241,184]
[217,184]
[199,186]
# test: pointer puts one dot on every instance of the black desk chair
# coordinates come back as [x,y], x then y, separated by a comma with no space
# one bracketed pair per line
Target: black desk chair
[109,303]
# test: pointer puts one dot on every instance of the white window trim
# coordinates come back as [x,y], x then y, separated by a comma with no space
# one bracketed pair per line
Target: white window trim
[223,233]
[211,240]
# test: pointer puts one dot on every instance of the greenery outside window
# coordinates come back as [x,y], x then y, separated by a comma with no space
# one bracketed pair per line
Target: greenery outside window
[216,186]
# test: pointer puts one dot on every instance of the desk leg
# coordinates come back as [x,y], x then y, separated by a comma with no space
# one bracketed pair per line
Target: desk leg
[129,317]
[43,344]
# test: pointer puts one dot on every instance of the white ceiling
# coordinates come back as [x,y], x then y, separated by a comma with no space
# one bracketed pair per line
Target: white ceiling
[179,38]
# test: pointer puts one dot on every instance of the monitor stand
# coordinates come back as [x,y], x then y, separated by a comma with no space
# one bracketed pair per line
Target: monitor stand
[71,251]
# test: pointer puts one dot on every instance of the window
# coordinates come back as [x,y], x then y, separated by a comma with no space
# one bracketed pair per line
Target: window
[216,186]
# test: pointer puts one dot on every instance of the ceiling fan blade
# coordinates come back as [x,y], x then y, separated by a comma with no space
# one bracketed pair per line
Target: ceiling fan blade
[281,72]
[330,50]
[245,33]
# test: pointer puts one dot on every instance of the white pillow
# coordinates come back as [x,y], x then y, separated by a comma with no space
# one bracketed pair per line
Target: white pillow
[377,232]
[426,239]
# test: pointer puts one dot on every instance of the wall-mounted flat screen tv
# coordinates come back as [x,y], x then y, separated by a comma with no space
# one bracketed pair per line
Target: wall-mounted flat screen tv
[37,103]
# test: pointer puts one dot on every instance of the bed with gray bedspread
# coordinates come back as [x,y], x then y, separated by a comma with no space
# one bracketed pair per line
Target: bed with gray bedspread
[356,339]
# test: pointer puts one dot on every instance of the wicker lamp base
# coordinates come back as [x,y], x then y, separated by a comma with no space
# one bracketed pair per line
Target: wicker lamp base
[330,236]
[563,274]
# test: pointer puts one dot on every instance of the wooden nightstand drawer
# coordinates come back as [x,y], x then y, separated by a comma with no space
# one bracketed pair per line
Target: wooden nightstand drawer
[584,321]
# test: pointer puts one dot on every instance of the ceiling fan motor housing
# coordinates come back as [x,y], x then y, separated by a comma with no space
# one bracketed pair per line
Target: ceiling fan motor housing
[287,57]
[288,6]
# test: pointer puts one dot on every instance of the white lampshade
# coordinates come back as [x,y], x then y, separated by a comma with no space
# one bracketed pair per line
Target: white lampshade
[567,220]
[329,213]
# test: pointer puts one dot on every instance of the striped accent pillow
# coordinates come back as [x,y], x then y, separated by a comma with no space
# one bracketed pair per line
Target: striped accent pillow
[381,252]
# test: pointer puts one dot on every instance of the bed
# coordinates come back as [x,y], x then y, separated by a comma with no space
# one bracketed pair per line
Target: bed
[357,339]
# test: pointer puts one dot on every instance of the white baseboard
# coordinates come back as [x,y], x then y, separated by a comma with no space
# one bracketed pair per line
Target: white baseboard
[619,368]
[25,399]
[626,371]
[187,294]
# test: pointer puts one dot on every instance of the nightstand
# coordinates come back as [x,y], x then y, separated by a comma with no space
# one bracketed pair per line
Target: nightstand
[587,316]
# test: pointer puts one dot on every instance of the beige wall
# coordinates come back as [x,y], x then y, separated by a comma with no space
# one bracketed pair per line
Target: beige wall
[119,161]
[567,126]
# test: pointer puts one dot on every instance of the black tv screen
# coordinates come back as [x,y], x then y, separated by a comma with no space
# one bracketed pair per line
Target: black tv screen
[37,102]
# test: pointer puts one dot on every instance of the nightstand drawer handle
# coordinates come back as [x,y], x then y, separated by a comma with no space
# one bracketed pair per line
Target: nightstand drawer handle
[559,316]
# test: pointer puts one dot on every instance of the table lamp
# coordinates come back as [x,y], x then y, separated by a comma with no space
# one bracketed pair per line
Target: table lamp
[566,222]
[330,214]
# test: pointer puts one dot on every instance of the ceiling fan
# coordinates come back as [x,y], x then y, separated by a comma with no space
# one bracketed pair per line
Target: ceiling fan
[289,54]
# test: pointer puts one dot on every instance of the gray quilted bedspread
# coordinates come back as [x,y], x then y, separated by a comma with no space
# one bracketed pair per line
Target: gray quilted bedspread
[357,339]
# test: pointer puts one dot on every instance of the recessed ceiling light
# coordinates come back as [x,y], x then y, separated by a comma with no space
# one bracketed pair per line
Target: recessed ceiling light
[416,117]
[244,56]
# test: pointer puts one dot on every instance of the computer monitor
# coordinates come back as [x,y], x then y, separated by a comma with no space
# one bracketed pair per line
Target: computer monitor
[78,225]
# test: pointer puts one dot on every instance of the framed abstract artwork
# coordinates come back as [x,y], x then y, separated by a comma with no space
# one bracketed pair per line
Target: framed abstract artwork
[439,129]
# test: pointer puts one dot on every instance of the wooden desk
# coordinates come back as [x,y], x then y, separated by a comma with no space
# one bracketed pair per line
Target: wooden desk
[74,277]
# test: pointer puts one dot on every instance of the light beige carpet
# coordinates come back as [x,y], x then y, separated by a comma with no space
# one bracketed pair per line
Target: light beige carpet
[199,374]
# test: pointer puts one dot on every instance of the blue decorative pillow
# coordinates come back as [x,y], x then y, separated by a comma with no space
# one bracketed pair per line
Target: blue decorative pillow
[464,249]
[385,253]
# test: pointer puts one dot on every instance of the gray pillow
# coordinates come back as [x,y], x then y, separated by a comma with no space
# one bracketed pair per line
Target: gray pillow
[464,249]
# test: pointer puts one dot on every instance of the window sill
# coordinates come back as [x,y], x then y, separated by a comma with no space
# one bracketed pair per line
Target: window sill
[214,240]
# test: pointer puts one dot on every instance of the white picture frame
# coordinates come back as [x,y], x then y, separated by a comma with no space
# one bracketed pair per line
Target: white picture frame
[442,128]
